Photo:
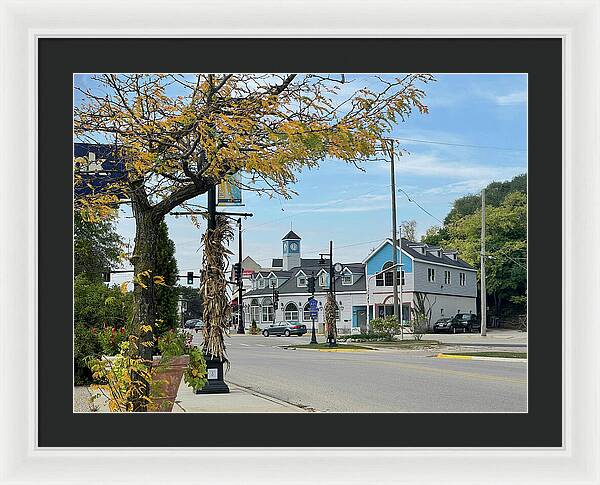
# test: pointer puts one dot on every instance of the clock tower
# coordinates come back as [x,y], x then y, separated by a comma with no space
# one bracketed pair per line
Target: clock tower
[291,250]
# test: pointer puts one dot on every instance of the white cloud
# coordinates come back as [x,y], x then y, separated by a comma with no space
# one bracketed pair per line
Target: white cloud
[432,165]
[518,97]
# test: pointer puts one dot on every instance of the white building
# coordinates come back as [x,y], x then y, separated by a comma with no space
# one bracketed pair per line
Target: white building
[448,284]
[291,281]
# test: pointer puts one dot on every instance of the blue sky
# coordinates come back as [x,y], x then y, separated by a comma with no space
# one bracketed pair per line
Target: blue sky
[352,208]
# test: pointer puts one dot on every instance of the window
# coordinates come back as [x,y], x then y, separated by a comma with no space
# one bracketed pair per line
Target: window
[347,278]
[431,275]
[291,312]
[306,313]
[447,278]
[462,279]
[324,280]
[379,279]
[388,276]
[403,281]
[254,311]
[273,282]
[261,283]
[302,280]
[267,310]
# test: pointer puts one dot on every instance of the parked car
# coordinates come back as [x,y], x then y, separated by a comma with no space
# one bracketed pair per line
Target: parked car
[285,328]
[191,323]
[199,325]
[463,322]
[467,321]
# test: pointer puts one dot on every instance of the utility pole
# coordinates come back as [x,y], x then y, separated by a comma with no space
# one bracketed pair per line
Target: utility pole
[483,291]
[240,280]
[397,314]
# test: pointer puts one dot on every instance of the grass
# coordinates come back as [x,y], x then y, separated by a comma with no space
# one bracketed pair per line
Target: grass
[507,355]
[325,346]
[406,344]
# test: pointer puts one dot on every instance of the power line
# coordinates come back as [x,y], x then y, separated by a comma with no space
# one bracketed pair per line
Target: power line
[410,199]
[464,145]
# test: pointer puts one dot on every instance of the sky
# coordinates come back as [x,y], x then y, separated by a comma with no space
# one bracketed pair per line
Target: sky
[338,202]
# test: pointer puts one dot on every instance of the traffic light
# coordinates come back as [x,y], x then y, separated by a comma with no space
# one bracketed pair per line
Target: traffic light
[106,277]
[275,296]
[311,284]
[190,277]
[237,272]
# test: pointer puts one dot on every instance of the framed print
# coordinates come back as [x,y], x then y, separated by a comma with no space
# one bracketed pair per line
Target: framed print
[517,115]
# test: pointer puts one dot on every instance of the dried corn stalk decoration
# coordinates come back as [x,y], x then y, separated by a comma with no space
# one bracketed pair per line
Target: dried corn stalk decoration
[330,311]
[216,309]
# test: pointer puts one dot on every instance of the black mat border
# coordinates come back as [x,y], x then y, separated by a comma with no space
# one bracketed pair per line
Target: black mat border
[60,58]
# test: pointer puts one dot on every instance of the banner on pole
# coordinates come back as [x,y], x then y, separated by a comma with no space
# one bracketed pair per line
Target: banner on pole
[229,192]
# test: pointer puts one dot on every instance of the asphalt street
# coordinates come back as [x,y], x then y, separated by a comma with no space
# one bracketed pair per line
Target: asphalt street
[374,381]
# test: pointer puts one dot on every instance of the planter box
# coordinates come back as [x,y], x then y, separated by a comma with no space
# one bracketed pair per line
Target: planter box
[166,381]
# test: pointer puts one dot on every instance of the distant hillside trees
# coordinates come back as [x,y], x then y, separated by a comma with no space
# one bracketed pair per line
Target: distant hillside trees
[506,240]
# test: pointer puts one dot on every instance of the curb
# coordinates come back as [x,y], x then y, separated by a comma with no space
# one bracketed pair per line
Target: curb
[475,357]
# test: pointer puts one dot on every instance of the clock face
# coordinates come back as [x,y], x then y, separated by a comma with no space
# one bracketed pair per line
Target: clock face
[294,246]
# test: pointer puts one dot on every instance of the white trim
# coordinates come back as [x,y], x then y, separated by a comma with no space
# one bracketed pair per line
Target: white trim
[445,265]
[300,271]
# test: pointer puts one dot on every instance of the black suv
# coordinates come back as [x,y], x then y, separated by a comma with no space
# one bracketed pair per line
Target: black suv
[464,322]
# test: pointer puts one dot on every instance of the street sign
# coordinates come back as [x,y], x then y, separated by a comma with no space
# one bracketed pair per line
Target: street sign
[98,170]
[313,308]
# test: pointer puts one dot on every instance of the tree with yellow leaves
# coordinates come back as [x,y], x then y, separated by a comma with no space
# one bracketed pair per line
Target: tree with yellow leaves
[180,135]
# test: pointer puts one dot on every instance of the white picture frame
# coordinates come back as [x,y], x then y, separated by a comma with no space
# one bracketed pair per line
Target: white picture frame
[576,22]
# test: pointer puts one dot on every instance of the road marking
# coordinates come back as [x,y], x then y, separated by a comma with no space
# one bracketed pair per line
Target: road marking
[479,357]
[260,345]
[433,370]
[245,345]
[444,356]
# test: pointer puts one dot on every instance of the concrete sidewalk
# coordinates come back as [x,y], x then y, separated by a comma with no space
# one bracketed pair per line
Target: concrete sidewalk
[500,337]
[238,400]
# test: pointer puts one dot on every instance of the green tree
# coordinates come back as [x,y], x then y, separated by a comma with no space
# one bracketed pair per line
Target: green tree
[167,295]
[96,246]
[194,301]
[97,305]
[409,230]
[506,248]
[495,193]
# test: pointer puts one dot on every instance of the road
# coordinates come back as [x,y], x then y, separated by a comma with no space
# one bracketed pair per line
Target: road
[374,381]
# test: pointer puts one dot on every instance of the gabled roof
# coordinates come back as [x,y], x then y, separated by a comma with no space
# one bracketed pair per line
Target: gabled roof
[291,284]
[414,254]
[291,235]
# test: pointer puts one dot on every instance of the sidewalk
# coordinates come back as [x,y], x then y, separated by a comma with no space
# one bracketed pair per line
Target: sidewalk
[500,337]
[238,400]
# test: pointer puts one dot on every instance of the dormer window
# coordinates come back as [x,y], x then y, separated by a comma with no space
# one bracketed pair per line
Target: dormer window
[301,280]
[273,282]
[261,282]
[324,280]
[347,277]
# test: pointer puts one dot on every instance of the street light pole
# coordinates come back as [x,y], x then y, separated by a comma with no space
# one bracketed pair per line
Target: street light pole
[240,329]
[313,337]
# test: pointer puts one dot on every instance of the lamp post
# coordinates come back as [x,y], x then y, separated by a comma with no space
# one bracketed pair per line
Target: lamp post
[368,297]
[330,333]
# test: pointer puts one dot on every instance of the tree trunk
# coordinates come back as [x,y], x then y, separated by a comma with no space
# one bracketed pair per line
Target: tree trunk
[144,265]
